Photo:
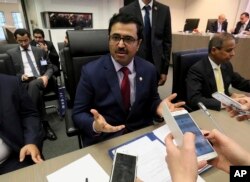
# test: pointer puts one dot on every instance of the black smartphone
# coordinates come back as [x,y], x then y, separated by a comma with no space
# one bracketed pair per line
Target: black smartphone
[124,168]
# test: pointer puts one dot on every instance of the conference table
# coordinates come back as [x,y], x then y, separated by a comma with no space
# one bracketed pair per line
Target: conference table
[239,131]
[241,61]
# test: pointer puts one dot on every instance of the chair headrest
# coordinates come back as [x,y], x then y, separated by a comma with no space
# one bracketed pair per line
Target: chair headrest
[88,42]
[5,47]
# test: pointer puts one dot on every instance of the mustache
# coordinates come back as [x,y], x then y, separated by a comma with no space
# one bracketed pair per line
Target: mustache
[121,51]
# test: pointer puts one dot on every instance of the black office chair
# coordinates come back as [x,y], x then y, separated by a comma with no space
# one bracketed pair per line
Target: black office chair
[182,65]
[6,65]
[176,57]
[84,47]
[209,25]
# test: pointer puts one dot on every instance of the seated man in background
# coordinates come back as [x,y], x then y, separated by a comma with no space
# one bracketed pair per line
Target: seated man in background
[46,45]
[21,132]
[243,26]
[220,25]
[214,73]
[34,69]
[118,93]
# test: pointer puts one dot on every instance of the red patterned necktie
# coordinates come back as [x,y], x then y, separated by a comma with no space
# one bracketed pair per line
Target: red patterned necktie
[125,88]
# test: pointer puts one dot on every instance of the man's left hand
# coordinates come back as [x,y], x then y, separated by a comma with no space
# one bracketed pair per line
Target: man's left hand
[30,149]
[172,106]
[45,80]
[162,80]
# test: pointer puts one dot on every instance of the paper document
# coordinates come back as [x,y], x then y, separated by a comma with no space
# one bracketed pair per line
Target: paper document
[79,170]
[151,166]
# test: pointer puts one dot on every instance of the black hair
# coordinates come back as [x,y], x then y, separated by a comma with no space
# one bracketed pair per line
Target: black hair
[38,31]
[245,13]
[126,19]
[22,32]
[218,40]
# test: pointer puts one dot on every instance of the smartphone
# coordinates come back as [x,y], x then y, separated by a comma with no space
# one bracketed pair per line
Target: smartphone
[180,122]
[228,101]
[124,167]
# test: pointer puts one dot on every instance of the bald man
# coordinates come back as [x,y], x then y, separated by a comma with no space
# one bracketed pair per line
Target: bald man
[220,25]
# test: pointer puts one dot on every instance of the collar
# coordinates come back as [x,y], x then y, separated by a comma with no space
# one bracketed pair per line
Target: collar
[142,4]
[22,49]
[118,66]
[213,64]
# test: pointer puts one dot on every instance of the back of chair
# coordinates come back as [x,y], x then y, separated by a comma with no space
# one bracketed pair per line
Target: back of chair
[180,73]
[5,47]
[176,57]
[84,46]
[209,25]
[6,65]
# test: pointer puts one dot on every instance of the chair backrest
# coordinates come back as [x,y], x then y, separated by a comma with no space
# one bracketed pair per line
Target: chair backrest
[6,65]
[185,61]
[176,57]
[191,24]
[84,46]
[209,24]
[5,47]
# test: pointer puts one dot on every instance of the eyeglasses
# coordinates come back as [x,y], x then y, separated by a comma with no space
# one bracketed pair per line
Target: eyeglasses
[126,39]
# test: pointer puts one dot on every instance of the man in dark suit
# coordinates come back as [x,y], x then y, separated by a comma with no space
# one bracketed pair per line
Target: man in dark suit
[243,26]
[46,45]
[157,44]
[118,93]
[34,69]
[203,78]
[21,132]
[220,25]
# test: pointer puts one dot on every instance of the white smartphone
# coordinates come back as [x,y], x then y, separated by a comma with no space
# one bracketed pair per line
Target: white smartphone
[180,122]
[228,101]
[124,167]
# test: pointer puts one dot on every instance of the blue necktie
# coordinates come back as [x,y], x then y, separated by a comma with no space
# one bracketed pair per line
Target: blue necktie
[32,66]
[147,33]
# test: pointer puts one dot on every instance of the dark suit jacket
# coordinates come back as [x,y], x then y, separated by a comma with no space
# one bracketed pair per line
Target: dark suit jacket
[161,37]
[52,53]
[19,120]
[214,26]
[238,25]
[16,57]
[201,83]
[99,89]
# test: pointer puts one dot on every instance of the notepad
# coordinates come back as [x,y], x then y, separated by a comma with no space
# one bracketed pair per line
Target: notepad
[79,170]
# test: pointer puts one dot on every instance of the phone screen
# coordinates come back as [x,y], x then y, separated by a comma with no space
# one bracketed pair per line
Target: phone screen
[124,168]
[186,124]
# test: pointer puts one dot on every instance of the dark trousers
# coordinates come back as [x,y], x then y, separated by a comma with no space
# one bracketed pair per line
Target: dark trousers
[35,90]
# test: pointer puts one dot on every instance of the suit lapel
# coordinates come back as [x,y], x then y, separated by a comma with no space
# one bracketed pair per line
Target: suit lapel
[18,59]
[112,79]
[210,75]
[155,10]
[138,13]
[139,84]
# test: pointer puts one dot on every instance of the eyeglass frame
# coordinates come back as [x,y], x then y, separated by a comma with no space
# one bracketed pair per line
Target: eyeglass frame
[123,38]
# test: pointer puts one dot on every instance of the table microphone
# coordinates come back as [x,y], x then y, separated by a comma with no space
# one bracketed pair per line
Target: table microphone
[204,109]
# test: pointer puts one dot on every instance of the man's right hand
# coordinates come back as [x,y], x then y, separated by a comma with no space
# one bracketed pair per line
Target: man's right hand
[100,124]
[25,77]
[229,152]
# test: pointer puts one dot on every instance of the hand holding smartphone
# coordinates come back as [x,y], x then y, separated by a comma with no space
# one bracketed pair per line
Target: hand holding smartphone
[228,101]
[180,122]
[124,167]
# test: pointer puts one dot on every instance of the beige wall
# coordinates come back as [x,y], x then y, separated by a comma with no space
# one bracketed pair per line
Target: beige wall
[8,8]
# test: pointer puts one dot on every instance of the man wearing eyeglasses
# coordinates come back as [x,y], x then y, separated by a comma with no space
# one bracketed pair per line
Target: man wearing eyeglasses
[118,93]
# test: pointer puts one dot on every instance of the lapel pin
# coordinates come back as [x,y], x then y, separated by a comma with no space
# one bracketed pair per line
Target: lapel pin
[140,78]
[155,8]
